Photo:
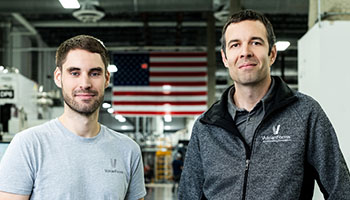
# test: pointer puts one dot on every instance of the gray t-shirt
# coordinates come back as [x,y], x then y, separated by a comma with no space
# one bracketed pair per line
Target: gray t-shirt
[50,162]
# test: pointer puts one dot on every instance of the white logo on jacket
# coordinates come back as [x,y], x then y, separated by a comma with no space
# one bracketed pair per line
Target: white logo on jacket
[276,137]
[276,129]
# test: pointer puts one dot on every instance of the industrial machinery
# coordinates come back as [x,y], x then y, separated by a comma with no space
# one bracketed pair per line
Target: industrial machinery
[18,101]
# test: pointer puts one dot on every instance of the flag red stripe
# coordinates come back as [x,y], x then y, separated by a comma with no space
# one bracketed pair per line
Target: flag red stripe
[143,93]
[158,113]
[201,83]
[178,64]
[182,54]
[178,74]
[159,103]
[150,100]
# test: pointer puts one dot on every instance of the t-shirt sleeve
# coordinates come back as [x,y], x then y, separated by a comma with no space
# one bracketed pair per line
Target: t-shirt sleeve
[16,169]
[137,188]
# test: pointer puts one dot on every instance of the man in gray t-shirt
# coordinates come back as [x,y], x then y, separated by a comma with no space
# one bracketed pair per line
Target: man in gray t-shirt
[73,156]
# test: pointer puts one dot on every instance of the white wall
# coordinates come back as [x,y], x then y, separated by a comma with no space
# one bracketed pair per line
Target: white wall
[324,74]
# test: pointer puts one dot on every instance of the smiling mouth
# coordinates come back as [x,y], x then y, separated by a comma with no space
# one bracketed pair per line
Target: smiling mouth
[85,96]
[247,65]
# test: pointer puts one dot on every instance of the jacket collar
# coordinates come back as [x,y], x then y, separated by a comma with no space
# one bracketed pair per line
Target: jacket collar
[218,112]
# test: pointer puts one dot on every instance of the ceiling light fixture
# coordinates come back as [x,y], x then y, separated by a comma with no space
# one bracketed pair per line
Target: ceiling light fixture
[282,45]
[110,110]
[90,12]
[112,68]
[106,105]
[167,118]
[70,4]
[120,118]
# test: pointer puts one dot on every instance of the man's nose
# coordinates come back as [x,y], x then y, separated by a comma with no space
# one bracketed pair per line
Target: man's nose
[246,51]
[85,82]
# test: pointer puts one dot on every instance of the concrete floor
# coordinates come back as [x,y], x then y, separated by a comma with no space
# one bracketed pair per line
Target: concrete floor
[160,192]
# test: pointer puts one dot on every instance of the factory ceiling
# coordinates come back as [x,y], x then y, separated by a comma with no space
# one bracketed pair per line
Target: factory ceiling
[149,22]
[139,25]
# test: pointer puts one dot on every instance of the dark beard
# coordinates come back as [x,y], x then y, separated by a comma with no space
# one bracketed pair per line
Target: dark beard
[86,111]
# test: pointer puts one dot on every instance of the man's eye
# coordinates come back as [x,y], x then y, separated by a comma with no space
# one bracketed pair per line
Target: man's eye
[95,74]
[234,45]
[74,73]
[256,43]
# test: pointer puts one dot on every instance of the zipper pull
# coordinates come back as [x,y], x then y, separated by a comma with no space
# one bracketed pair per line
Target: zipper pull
[247,164]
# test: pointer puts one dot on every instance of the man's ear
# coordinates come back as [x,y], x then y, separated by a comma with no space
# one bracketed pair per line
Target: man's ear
[224,59]
[273,54]
[108,77]
[58,77]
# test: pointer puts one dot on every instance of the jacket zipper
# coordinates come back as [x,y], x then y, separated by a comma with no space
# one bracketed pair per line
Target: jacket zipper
[247,162]
[248,156]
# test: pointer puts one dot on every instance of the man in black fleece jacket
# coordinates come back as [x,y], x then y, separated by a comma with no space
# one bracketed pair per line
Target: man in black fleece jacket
[261,140]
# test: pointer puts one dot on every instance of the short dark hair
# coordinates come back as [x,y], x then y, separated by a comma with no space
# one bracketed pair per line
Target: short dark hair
[85,42]
[249,15]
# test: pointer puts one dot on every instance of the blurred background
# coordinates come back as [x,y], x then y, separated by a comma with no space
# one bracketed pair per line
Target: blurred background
[165,63]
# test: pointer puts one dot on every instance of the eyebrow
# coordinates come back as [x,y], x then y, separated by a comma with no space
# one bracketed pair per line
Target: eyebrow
[70,69]
[258,38]
[99,69]
[253,38]
[232,41]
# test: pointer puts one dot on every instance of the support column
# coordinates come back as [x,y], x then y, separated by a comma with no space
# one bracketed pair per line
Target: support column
[7,46]
[211,58]
[1,45]
[328,10]
[235,5]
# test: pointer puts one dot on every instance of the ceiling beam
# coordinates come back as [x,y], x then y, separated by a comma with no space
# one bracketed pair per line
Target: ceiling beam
[59,24]
[25,23]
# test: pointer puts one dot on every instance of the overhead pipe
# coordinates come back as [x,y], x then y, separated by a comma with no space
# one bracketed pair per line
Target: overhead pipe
[25,23]
[328,14]
[135,5]
[56,24]
[37,42]
[5,25]
[319,13]
[119,48]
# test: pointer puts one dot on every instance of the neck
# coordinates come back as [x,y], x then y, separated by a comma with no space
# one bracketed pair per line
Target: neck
[247,97]
[81,125]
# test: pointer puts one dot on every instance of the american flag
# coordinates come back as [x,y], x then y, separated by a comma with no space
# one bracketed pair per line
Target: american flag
[172,83]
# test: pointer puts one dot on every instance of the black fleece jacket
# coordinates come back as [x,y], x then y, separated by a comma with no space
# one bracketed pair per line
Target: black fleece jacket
[294,145]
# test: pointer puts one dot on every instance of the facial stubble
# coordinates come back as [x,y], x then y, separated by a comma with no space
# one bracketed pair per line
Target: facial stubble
[86,110]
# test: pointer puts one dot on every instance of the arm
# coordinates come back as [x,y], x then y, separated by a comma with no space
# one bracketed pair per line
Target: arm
[137,189]
[9,196]
[192,177]
[17,170]
[326,158]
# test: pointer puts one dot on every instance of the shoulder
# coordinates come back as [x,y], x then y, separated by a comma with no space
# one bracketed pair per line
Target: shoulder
[120,138]
[34,133]
[308,108]
[200,129]
[307,102]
